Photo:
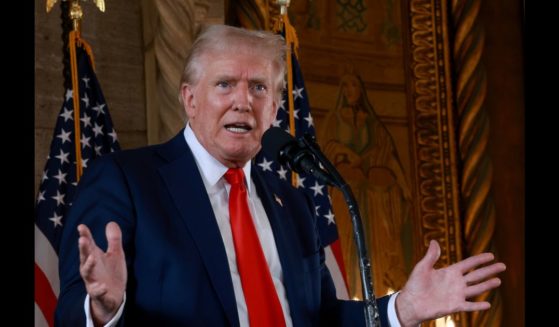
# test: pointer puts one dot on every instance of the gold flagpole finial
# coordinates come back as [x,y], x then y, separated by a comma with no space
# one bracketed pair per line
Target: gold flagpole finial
[278,11]
[76,15]
[99,3]
[284,4]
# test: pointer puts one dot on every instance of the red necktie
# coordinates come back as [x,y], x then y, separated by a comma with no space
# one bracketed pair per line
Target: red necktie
[264,308]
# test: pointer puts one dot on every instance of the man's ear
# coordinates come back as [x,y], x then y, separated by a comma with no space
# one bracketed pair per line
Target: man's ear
[187,97]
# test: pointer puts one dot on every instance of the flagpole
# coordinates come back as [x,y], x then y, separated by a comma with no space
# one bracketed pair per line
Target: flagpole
[75,13]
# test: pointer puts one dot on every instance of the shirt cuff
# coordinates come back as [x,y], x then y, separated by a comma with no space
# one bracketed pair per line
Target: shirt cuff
[111,323]
[392,316]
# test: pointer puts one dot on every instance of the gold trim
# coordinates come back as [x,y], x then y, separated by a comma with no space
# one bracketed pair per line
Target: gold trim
[479,218]
[430,96]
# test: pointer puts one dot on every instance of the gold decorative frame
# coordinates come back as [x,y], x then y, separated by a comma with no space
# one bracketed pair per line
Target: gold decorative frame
[446,94]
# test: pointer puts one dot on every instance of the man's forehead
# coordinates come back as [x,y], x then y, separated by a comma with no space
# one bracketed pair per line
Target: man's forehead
[238,65]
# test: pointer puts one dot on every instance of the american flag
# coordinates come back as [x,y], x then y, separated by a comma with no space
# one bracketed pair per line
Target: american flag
[58,183]
[326,223]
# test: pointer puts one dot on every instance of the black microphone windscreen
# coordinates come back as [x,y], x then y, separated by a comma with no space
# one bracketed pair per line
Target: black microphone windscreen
[274,140]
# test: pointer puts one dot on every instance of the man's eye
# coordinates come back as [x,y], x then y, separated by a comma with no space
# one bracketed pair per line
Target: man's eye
[260,87]
[223,84]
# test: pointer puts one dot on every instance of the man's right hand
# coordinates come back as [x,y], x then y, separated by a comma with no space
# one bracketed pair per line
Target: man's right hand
[104,273]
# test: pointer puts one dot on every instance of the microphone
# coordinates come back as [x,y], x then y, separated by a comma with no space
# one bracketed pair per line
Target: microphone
[294,153]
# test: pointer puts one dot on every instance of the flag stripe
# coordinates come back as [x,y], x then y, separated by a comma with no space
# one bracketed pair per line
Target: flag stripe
[337,275]
[337,251]
[44,295]
[40,320]
[46,259]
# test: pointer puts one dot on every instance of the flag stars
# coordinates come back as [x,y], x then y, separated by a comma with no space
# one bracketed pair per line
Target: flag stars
[330,217]
[265,164]
[63,157]
[64,136]
[85,100]
[69,94]
[278,200]
[296,113]
[282,172]
[41,197]
[277,122]
[113,135]
[44,177]
[316,210]
[67,114]
[85,141]
[61,177]
[317,188]
[56,219]
[297,93]
[98,150]
[282,104]
[84,163]
[86,120]
[300,181]
[85,80]
[59,198]
[309,120]
[99,109]
[97,129]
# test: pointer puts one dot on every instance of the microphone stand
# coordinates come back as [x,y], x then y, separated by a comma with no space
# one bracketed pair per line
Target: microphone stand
[371,309]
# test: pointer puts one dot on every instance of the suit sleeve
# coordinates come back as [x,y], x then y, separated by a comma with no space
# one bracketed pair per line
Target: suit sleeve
[102,196]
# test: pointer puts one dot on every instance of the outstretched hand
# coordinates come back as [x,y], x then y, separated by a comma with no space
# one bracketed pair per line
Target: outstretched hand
[104,273]
[432,293]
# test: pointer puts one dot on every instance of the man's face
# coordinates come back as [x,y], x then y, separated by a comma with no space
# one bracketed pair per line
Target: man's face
[232,105]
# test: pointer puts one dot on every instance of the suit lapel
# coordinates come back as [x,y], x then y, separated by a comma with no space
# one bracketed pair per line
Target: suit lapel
[187,190]
[286,242]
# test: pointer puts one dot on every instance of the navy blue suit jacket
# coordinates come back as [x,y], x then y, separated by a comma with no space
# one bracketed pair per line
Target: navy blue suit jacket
[178,273]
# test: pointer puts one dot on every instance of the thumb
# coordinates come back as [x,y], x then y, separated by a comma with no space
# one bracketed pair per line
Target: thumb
[114,237]
[432,255]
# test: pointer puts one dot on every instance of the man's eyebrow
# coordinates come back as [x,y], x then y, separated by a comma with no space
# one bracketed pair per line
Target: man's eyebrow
[258,80]
[224,77]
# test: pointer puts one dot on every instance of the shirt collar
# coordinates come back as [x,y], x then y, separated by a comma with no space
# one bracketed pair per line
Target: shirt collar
[210,168]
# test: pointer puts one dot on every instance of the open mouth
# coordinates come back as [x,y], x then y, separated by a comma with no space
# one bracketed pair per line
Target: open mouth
[238,128]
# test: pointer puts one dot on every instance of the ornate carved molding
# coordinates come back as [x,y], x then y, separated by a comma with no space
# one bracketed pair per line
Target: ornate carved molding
[430,91]
[473,136]
[432,117]
[455,215]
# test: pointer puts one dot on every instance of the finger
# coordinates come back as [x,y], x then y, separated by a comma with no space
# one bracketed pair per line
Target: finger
[86,269]
[484,272]
[432,255]
[474,261]
[85,242]
[477,289]
[476,306]
[114,237]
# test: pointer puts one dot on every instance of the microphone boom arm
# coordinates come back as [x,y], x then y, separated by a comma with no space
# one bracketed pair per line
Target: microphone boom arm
[371,309]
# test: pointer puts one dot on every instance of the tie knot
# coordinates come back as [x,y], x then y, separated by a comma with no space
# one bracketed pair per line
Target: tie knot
[235,176]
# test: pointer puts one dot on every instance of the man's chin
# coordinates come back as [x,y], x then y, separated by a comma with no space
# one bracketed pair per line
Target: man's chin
[239,159]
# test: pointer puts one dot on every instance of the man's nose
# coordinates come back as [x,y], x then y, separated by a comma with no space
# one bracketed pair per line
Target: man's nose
[241,100]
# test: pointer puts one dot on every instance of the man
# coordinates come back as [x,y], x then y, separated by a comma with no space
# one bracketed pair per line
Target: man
[168,217]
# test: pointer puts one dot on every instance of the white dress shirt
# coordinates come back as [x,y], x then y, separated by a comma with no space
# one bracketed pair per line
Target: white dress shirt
[212,172]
